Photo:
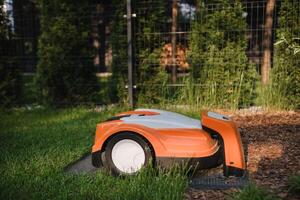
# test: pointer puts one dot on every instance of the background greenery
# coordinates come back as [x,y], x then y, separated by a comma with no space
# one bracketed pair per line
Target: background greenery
[10,77]
[65,71]
[284,89]
[221,75]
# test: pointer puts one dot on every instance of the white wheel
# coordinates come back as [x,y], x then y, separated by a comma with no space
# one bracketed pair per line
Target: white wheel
[128,156]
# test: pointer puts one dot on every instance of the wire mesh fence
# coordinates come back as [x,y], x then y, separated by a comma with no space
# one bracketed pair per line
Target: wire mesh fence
[199,52]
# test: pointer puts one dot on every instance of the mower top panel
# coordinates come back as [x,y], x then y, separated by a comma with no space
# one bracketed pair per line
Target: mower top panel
[161,120]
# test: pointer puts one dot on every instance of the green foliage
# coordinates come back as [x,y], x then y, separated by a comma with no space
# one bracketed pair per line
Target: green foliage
[10,85]
[291,44]
[285,75]
[270,96]
[36,145]
[10,79]
[294,183]
[118,41]
[65,72]
[253,192]
[218,59]
[150,77]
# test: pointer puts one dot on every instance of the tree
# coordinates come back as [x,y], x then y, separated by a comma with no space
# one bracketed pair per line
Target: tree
[65,72]
[174,28]
[267,41]
[10,79]
[100,22]
[217,53]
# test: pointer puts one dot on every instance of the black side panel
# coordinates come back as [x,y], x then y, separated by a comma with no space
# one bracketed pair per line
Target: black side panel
[198,163]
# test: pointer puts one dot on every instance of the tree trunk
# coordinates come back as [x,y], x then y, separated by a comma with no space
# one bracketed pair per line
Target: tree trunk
[99,35]
[267,42]
[102,40]
[174,28]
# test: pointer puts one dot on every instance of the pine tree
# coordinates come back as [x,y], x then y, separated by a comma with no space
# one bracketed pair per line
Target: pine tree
[218,54]
[65,72]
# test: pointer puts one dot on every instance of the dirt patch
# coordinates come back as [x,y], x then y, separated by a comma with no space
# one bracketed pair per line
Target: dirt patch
[273,148]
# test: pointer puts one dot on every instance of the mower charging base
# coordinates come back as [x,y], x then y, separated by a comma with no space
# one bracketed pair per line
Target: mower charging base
[82,165]
[218,182]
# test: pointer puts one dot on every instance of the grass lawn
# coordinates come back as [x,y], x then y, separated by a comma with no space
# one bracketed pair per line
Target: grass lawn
[35,146]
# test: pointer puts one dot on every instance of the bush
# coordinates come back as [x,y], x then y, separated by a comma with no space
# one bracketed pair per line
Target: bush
[118,41]
[218,59]
[10,85]
[65,72]
[285,75]
[148,75]
[152,78]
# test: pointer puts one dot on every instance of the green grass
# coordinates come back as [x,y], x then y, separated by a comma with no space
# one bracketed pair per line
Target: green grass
[36,145]
[294,183]
[253,192]
[271,97]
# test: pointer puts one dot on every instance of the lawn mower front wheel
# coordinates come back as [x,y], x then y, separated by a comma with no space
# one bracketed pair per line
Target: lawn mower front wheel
[126,153]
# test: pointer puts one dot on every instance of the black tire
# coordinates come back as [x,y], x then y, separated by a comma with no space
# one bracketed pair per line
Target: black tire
[109,164]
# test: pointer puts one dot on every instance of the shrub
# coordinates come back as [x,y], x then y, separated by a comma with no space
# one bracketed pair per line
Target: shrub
[65,72]
[285,75]
[118,40]
[152,78]
[218,59]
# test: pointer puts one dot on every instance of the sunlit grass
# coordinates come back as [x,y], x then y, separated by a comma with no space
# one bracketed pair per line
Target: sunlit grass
[36,145]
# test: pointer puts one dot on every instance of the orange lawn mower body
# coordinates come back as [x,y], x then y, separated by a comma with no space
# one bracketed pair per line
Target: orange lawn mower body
[130,140]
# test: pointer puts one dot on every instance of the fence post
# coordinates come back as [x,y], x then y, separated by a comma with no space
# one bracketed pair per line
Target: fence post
[130,54]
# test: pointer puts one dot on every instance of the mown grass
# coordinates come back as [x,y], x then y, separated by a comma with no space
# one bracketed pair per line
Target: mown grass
[36,145]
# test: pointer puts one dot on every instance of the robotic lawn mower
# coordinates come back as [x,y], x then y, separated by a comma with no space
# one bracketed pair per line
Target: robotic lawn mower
[130,140]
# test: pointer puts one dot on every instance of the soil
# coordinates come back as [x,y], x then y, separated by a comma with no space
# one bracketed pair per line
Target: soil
[273,144]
